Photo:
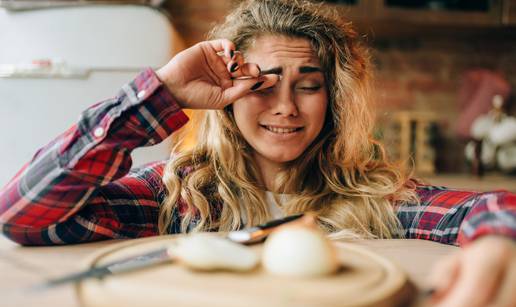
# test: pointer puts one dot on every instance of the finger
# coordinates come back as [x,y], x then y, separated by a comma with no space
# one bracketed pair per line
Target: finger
[444,275]
[235,63]
[506,295]
[217,71]
[242,87]
[226,59]
[232,67]
[223,45]
[481,276]
[247,70]
[238,59]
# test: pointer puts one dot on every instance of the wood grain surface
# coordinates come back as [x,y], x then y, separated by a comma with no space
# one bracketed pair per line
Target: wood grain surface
[365,279]
[23,267]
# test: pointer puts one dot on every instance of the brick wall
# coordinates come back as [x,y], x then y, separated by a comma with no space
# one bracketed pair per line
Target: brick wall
[416,72]
[194,18]
[424,74]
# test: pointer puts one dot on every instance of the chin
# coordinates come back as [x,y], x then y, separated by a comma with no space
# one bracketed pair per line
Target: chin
[282,157]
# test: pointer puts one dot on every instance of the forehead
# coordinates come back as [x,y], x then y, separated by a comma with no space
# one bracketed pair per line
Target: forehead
[272,50]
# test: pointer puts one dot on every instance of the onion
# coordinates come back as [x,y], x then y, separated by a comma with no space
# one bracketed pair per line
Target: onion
[209,252]
[298,250]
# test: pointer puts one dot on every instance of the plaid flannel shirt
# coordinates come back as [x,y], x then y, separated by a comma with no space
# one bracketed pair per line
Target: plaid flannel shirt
[81,188]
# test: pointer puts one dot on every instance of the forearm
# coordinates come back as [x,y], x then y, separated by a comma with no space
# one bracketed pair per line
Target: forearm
[493,213]
[66,173]
[458,217]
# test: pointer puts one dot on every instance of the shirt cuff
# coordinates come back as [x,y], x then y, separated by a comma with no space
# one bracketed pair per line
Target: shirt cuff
[160,114]
[493,214]
[144,113]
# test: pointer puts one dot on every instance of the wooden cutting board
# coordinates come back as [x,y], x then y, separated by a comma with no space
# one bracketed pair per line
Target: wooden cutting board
[365,279]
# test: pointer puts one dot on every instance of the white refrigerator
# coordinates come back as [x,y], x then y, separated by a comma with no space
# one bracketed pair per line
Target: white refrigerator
[55,62]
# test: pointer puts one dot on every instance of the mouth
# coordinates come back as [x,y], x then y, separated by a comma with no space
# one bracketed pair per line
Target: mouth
[281,130]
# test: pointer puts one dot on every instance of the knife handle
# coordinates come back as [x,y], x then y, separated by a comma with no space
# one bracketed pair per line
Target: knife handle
[274,223]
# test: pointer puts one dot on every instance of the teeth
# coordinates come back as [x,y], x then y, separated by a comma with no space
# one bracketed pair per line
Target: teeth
[280,130]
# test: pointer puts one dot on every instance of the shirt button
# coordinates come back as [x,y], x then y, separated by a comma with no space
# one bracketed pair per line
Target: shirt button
[141,94]
[98,132]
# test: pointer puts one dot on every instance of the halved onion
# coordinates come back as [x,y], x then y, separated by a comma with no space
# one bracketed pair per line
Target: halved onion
[298,250]
[210,252]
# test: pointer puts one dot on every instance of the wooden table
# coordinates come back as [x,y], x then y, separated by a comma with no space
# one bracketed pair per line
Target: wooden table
[22,267]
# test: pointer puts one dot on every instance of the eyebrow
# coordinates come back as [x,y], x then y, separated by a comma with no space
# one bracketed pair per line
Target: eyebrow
[309,69]
[302,70]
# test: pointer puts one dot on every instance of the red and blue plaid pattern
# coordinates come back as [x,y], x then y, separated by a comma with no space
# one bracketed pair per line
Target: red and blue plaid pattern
[81,188]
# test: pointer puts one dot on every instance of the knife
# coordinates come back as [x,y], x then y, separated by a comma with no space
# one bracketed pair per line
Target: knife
[260,232]
[132,263]
[161,255]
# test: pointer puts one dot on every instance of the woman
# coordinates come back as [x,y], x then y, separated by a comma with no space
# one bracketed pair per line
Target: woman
[287,86]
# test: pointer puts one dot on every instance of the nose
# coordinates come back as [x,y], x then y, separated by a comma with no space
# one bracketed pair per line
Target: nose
[284,103]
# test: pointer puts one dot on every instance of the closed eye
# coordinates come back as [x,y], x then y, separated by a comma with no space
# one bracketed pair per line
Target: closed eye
[306,89]
[266,91]
[310,88]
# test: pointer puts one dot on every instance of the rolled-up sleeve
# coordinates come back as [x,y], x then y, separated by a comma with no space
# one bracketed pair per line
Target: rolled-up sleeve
[68,179]
[458,217]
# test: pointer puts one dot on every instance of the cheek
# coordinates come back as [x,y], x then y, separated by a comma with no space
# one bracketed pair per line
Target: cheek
[246,111]
[315,109]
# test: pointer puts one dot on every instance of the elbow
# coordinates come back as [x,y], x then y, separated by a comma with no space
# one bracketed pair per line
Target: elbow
[26,236]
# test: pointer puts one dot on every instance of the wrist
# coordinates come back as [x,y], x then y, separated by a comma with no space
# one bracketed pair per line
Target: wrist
[497,244]
[163,76]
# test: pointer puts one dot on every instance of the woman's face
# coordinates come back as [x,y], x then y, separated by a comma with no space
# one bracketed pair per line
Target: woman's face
[282,121]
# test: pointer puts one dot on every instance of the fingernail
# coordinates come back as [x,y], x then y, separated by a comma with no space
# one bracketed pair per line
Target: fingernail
[231,53]
[257,85]
[233,67]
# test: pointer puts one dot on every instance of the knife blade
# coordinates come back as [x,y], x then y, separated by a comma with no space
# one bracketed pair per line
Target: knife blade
[159,256]
[260,232]
[129,264]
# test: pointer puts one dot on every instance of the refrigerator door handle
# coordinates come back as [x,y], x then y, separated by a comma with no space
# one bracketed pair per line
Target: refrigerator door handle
[15,5]
[56,69]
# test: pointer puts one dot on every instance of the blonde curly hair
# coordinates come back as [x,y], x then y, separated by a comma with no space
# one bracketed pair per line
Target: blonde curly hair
[344,176]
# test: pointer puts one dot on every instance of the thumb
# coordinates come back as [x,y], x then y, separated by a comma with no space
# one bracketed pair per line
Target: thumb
[444,275]
[476,285]
[242,87]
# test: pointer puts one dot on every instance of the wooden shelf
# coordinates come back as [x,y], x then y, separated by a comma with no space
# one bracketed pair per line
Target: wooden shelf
[428,17]
[509,13]
[500,13]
